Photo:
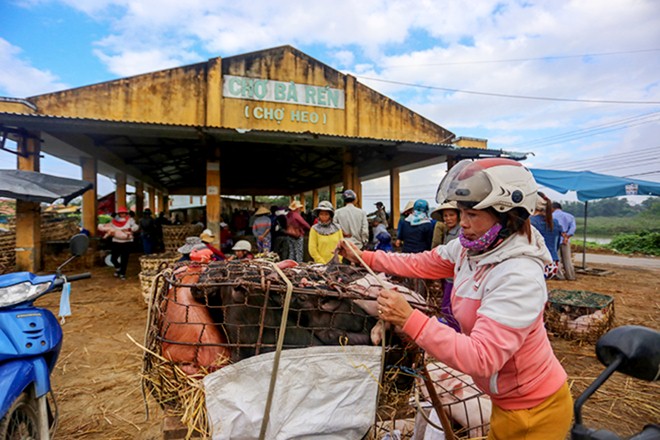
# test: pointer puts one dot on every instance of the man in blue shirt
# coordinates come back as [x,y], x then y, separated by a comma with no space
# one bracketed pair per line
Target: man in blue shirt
[567,223]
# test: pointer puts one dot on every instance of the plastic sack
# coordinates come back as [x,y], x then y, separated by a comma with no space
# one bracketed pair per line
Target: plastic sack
[321,393]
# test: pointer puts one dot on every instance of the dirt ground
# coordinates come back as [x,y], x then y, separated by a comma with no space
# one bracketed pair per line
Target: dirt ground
[97,379]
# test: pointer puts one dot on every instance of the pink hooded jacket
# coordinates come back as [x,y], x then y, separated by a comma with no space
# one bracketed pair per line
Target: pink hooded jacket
[498,298]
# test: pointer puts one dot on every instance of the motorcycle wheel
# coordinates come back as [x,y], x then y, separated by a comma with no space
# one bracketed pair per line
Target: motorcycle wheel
[21,421]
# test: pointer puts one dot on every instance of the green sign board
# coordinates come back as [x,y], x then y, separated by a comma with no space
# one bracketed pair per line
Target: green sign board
[283,92]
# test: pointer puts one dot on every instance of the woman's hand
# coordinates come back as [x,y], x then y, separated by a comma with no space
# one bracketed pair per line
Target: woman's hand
[348,250]
[393,307]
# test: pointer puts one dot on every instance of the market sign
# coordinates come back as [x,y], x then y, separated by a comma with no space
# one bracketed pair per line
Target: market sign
[283,92]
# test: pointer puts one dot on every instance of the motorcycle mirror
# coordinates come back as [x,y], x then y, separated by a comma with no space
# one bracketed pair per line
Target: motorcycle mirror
[78,245]
[639,346]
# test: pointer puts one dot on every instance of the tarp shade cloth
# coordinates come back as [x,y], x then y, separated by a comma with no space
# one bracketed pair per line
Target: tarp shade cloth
[31,186]
[590,186]
[320,393]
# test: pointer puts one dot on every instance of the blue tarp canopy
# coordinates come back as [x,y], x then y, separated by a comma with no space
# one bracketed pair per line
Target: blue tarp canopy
[590,186]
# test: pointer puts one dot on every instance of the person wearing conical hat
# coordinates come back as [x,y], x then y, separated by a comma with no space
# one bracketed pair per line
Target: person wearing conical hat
[325,235]
[261,229]
[296,227]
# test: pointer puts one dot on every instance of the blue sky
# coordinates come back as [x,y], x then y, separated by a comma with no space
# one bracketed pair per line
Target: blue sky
[597,56]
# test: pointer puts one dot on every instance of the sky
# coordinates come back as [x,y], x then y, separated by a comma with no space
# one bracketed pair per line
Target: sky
[576,84]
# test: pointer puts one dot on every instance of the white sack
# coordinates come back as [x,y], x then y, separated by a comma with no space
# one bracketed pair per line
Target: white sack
[321,393]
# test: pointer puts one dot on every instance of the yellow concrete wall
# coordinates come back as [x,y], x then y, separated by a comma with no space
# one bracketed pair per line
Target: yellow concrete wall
[180,96]
[14,107]
[471,143]
[176,96]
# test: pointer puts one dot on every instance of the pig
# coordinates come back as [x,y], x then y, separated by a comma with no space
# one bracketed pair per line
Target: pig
[333,321]
[189,335]
[369,287]
[242,313]
[583,324]
[464,402]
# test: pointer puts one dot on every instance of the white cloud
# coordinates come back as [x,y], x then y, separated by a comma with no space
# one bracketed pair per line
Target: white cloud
[19,79]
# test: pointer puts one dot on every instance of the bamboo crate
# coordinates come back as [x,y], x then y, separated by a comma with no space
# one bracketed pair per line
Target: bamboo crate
[174,236]
[579,314]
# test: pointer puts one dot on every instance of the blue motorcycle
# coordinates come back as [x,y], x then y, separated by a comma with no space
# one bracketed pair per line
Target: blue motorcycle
[30,342]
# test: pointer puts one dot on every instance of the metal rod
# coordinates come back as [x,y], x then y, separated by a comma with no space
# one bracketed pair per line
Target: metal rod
[584,239]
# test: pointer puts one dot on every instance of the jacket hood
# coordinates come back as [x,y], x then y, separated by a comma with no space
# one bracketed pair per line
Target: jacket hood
[517,246]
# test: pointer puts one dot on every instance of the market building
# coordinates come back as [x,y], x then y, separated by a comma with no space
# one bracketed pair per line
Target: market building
[272,122]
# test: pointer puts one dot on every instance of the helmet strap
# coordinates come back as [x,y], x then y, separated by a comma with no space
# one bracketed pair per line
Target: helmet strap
[482,243]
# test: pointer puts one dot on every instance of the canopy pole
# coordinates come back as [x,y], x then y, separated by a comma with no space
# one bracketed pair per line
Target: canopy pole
[584,237]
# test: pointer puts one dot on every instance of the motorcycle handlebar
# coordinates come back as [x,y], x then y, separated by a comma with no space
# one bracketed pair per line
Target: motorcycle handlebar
[80,276]
[60,281]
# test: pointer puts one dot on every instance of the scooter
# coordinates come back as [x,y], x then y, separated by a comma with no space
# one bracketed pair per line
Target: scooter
[30,342]
[631,350]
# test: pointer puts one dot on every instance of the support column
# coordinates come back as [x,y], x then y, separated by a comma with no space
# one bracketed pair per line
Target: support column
[139,198]
[254,202]
[152,201]
[90,199]
[347,172]
[165,203]
[315,198]
[120,192]
[357,187]
[395,197]
[332,191]
[301,197]
[213,199]
[28,214]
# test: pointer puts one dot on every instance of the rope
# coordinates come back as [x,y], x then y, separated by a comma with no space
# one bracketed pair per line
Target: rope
[278,352]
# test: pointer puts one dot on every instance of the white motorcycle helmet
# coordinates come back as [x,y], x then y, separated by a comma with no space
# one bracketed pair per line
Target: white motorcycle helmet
[242,245]
[502,184]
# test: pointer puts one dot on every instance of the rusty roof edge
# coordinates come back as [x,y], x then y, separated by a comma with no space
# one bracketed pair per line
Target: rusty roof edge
[260,135]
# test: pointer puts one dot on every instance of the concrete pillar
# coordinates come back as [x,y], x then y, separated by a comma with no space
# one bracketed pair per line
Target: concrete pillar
[357,187]
[90,199]
[152,200]
[165,203]
[120,192]
[347,171]
[395,197]
[332,191]
[139,198]
[301,197]
[213,199]
[28,214]
[315,198]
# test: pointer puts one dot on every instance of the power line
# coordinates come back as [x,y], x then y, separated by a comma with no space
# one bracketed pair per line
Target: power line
[643,174]
[551,57]
[503,95]
[573,135]
[609,156]
[607,160]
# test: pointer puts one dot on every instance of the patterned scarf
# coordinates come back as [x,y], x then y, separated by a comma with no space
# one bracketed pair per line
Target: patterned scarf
[326,228]
[482,243]
[418,217]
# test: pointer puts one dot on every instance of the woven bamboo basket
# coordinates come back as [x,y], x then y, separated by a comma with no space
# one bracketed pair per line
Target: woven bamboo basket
[147,279]
[7,251]
[157,262]
[579,314]
[174,236]
[58,229]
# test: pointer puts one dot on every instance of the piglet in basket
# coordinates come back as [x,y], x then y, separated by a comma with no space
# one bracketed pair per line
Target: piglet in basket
[460,397]
[190,337]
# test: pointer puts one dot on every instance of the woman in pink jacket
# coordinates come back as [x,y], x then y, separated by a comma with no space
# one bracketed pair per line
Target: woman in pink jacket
[498,299]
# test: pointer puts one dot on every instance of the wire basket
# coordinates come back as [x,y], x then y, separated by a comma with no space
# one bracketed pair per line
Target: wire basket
[204,316]
[579,314]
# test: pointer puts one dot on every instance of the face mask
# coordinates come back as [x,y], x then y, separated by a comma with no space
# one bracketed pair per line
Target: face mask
[482,243]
